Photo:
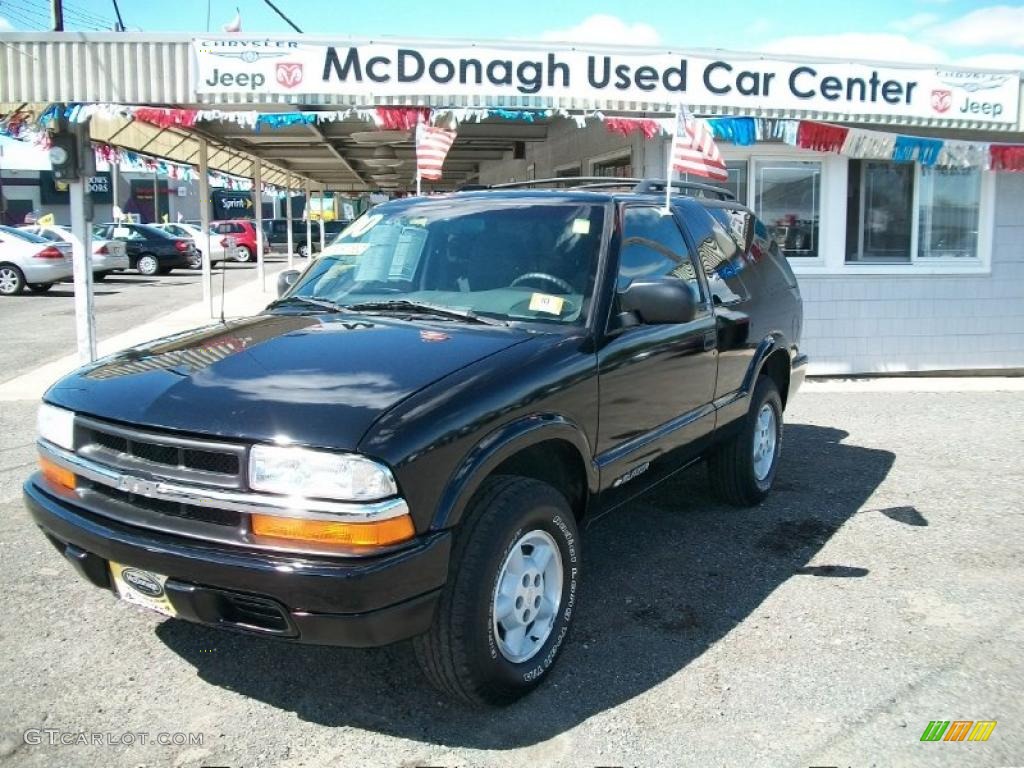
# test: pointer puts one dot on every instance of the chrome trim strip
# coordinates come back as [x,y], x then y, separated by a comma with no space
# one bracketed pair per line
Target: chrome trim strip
[306,509]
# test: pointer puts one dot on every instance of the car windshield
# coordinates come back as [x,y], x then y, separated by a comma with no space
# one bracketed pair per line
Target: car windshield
[22,234]
[515,259]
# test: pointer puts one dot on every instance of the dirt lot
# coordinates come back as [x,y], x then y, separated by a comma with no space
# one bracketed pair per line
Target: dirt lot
[878,589]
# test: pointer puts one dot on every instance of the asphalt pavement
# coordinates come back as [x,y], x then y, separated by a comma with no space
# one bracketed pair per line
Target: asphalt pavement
[879,588]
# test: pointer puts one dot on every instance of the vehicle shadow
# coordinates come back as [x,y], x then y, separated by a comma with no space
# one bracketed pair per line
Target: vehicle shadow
[666,578]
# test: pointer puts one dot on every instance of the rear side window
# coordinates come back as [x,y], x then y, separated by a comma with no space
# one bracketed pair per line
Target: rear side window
[721,249]
[653,247]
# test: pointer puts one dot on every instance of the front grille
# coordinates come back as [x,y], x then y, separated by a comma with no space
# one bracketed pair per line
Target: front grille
[187,460]
[187,511]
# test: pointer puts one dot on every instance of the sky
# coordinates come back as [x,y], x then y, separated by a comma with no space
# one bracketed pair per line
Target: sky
[978,33]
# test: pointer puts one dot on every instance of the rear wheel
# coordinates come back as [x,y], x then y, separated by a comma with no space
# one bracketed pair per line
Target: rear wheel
[510,599]
[195,261]
[12,281]
[147,265]
[40,287]
[742,470]
[303,251]
[243,254]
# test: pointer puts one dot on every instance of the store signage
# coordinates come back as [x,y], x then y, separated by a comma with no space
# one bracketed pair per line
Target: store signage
[374,70]
[232,205]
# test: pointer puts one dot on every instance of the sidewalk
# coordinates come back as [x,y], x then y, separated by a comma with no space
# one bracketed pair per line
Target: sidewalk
[240,302]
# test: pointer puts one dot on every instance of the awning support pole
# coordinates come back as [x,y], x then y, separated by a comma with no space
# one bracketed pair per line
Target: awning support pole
[322,192]
[204,224]
[81,254]
[309,225]
[288,216]
[257,201]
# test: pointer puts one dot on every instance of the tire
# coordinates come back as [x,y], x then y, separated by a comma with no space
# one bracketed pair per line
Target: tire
[195,261]
[40,287]
[99,277]
[303,251]
[739,474]
[466,651]
[147,265]
[12,281]
[243,254]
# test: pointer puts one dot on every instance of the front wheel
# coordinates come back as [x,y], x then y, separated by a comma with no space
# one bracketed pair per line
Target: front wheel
[147,265]
[195,260]
[743,469]
[508,605]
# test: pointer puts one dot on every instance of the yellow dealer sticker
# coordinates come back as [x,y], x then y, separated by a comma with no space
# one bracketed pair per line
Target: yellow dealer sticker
[140,587]
[545,302]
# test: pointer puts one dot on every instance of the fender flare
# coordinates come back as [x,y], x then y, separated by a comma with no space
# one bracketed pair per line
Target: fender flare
[497,446]
[772,342]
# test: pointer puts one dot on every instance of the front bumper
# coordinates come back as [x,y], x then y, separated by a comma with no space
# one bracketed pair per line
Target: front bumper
[356,602]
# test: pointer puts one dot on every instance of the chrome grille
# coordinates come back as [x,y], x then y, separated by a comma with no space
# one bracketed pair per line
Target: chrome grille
[163,455]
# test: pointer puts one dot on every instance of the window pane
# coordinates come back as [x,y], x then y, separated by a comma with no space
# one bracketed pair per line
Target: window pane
[620,167]
[879,215]
[737,182]
[788,196]
[653,246]
[948,201]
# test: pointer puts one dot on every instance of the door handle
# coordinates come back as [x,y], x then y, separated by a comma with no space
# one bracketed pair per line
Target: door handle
[710,340]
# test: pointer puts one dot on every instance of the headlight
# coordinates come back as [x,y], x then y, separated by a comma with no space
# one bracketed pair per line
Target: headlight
[56,425]
[318,474]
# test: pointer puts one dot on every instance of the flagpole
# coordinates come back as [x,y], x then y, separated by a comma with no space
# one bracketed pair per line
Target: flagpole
[668,165]
[419,191]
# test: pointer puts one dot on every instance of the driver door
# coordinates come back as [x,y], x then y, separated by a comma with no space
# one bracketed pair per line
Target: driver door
[657,382]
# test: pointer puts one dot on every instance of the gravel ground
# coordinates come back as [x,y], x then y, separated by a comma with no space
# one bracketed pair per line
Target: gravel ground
[877,589]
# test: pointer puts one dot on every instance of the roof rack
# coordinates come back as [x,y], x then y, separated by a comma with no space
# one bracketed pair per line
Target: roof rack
[639,186]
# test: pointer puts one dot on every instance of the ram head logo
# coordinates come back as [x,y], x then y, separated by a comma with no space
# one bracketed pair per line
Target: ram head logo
[942,99]
[289,74]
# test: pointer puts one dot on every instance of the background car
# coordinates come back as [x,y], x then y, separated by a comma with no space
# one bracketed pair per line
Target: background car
[107,255]
[219,248]
[275,232]
[244,235]
[151,251]
[27,260]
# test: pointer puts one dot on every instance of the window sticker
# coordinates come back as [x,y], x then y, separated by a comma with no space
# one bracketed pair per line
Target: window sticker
[376,260]
[581,226]
[407,253]
[545,302]
[362,225]
[350,249]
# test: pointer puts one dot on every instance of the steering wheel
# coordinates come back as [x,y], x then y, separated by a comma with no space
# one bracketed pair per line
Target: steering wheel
[566,288]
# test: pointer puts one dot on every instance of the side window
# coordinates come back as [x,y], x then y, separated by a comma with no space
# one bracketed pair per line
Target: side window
[723,236]
[653,246]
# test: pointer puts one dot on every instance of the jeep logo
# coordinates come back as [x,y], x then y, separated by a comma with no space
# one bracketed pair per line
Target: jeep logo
[143,581]
[251,80]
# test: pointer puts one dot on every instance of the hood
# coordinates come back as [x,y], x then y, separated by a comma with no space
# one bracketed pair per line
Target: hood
[315,379]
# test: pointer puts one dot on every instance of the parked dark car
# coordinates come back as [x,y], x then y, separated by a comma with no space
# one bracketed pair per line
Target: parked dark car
[276,233]
[407,443]
[151,251]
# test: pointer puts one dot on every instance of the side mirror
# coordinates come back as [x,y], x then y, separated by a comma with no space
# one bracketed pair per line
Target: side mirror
[286,280]
[659,302]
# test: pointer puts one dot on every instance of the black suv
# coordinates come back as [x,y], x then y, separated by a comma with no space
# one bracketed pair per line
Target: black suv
[407,443]
[275,233]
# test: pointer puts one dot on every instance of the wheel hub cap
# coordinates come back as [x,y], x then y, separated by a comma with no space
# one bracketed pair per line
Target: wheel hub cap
[765,441]
[527,595]
[7,281]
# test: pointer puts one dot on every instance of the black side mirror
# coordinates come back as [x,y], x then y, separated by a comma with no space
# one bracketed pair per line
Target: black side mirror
[659,302]
[286,280]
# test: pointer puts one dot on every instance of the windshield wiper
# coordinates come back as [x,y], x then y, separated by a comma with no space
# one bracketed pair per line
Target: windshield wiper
[404,305]
[314,300]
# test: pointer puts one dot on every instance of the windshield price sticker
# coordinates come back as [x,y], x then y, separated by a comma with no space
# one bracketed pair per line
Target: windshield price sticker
[581,226]
[545,302]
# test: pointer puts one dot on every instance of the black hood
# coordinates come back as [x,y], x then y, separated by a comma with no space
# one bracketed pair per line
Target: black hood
[315,379]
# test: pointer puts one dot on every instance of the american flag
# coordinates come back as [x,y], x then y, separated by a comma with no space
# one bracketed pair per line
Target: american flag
[694,150]
[432,144]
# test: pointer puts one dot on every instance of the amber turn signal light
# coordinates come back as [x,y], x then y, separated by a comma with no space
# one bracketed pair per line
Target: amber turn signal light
[375,534]
[56,474]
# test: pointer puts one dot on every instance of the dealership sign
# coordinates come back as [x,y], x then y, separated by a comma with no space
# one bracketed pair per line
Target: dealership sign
[375,70]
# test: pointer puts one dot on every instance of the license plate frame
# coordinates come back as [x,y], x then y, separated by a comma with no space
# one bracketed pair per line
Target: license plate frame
[142,588]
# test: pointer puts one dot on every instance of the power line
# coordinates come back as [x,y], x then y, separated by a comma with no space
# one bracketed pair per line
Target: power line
[30,23]
[279,13]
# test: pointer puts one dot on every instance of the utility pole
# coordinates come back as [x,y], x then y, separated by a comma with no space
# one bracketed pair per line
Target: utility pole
[57,8]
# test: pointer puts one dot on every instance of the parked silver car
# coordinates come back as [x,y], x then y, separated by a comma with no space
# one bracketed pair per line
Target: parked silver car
[107,255]
[27,260]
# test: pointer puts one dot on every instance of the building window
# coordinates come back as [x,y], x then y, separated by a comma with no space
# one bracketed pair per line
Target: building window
[883,222]
[620,167]
[568,171]
[948,213]
[736,183]
[787,199]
